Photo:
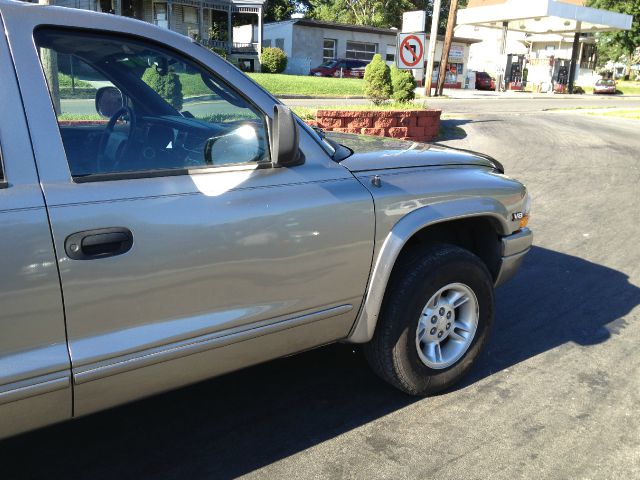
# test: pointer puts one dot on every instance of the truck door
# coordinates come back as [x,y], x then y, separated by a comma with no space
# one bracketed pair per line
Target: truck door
[35,387]
[182,252]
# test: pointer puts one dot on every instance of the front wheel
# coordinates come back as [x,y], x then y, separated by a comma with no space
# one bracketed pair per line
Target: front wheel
[434,321]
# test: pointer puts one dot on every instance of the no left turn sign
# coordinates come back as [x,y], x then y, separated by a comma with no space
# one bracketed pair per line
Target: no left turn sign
[410,50]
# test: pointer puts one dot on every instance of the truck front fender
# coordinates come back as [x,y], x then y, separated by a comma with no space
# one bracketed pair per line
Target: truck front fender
[397,238]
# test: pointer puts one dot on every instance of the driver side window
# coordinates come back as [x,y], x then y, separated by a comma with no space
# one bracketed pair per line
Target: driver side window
[125,106]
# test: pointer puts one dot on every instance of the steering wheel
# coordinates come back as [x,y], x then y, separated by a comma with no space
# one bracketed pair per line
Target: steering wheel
[104,139]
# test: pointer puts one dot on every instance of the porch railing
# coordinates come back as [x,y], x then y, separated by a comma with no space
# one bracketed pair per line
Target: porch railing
[242,48]
[585,64]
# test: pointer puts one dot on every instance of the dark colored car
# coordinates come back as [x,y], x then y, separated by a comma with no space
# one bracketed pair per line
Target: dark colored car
[332,68]
[605,86]
[484,81]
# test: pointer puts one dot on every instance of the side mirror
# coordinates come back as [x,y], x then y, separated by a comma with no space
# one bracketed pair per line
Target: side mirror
[240,145]
[285,138]
[108,101]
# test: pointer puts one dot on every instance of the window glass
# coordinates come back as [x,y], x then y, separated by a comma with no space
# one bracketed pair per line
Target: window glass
[361,50]
[391,53]
[280,43]
[328,49]
[189,14]
[160,17]
[129,106]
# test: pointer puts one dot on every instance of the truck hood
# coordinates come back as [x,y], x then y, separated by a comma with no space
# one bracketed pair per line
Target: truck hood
[391,154]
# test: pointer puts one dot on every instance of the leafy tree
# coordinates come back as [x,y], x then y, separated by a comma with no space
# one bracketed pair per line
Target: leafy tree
[403,85]
[375,13]
[377,80]
[168,86]
[621,45]
[278,10]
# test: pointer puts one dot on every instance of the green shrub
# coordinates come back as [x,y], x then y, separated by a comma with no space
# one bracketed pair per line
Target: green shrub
[167,86]
[377,80]
[577,90]
[403,84]
[219,51]
[274,60]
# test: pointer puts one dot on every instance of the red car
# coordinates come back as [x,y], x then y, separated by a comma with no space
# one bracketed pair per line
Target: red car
[332,68]
[484,81]
[605,86]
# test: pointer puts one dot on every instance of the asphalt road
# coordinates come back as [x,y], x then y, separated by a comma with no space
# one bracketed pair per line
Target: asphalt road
[513,103]
[555,394]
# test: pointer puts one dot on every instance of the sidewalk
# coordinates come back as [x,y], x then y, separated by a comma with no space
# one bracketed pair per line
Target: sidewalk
[461,93]
[467,94]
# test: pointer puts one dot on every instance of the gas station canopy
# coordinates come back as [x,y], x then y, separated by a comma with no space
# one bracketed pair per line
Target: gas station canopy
[543,16]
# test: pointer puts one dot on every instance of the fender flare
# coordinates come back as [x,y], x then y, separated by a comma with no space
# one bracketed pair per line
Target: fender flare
[398,237]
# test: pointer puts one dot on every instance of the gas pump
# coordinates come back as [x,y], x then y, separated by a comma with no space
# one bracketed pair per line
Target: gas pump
[514,72]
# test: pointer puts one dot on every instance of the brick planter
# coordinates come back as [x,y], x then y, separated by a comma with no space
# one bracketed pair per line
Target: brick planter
[417,125]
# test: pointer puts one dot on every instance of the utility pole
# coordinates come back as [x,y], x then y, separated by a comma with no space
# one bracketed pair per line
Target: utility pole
[433,41]
[49,60]
[444,61]
[503,53]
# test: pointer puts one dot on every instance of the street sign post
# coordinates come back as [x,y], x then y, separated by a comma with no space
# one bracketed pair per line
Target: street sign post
[410,50]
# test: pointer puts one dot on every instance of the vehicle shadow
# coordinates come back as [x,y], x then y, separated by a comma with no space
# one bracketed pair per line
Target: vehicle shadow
[452,128]
[237,423]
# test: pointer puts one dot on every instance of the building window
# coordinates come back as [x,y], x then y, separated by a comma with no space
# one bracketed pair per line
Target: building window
[361,50]
[160,17]
[266,43]
[280,43]
[189,14]
[328,49]
[391,53]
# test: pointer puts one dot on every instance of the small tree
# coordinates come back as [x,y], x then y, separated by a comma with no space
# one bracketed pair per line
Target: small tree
[168,86]
[403,84]
[377,80]
[274,60]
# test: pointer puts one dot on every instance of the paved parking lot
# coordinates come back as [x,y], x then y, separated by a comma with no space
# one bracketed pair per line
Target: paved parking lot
[555,395]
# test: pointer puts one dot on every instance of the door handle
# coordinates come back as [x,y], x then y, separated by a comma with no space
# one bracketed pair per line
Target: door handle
[101,243]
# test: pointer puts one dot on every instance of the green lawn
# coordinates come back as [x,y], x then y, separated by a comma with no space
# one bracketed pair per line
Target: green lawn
[633,114]
[81,88]
[279,84]
[629,88]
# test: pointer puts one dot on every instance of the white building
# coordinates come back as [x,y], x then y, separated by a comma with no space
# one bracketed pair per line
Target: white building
[308,43]
[543,54]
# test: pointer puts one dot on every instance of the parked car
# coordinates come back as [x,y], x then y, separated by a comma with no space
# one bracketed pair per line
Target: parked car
[484,81]
[158,241]
[605,86]
[340,68]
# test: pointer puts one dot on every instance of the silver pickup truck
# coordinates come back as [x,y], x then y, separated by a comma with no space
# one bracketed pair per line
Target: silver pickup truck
[165,220]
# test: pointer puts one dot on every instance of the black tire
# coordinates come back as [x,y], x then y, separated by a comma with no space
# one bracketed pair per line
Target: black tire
[392,353]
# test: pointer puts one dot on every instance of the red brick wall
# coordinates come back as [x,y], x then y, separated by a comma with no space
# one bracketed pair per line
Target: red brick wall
[417,125]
